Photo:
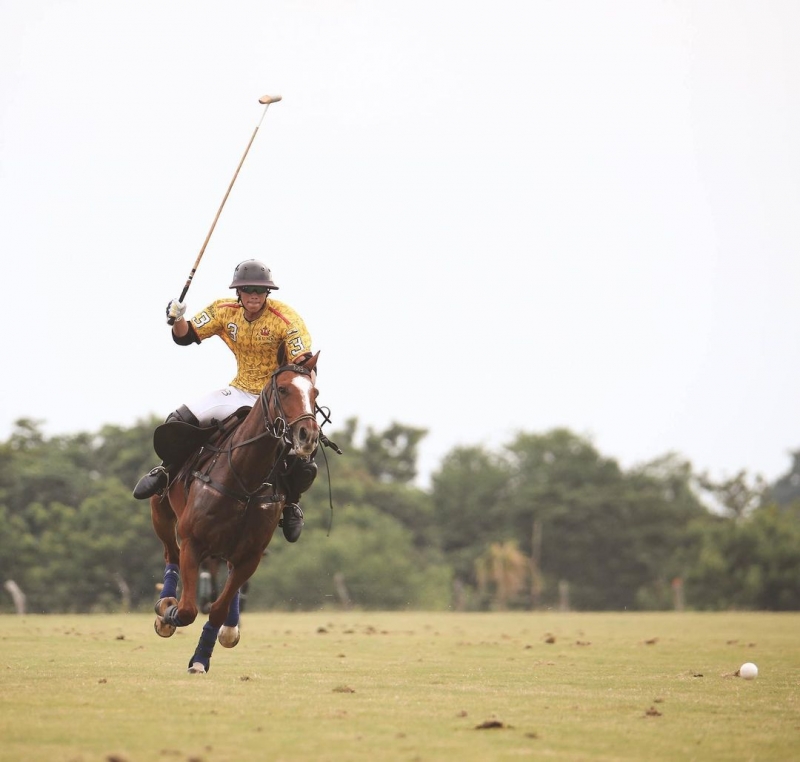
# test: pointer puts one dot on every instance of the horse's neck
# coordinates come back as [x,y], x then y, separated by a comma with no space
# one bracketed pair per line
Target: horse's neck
[245,455]
[252,438]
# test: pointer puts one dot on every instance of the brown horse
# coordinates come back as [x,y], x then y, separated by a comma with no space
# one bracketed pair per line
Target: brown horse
[226,503]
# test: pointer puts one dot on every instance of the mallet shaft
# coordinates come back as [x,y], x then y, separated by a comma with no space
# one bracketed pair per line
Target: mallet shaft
[265,100]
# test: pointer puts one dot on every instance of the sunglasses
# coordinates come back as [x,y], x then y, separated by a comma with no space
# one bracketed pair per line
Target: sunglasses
[254,289]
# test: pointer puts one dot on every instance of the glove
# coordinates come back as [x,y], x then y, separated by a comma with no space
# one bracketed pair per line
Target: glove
[175,310]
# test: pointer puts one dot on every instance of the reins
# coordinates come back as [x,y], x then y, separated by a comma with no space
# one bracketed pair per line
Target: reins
[277,429]
[326,418]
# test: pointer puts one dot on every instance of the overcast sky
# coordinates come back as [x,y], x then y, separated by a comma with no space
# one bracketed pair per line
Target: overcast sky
[494,216]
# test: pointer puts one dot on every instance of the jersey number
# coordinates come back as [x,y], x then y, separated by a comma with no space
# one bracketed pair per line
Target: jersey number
[296,346]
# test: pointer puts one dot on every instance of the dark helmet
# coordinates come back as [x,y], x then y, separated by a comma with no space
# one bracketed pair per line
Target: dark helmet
[251,272]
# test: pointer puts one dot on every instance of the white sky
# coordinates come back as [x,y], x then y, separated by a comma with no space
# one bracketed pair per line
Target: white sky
[494,216]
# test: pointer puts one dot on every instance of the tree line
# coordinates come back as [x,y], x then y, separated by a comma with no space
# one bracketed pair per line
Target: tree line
[546,521]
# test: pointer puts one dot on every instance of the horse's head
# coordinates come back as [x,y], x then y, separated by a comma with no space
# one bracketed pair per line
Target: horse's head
[292,398]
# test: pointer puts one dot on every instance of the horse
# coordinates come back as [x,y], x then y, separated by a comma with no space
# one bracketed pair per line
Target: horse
[225,502]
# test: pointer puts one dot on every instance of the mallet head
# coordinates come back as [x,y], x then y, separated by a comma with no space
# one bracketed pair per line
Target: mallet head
[265,100]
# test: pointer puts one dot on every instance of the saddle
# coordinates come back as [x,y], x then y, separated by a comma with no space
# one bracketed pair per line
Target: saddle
[194,449]
[175,441]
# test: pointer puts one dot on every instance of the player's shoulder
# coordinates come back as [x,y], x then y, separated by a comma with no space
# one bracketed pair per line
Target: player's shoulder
[282,311]
[212,316]
[224,306]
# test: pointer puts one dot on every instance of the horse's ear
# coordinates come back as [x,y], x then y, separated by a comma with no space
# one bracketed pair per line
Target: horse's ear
[311,362]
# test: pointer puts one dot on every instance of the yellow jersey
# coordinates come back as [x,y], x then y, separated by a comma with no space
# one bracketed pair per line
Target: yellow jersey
[278,336]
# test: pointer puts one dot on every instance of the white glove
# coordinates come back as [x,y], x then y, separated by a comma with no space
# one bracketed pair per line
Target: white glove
[175,309]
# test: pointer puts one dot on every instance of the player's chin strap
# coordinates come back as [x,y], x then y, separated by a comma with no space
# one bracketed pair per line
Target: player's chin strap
[326,418]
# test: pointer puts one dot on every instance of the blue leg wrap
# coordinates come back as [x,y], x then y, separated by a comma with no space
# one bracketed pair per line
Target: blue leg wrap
[171,616]
[233,612]
[205,646]
[171,578]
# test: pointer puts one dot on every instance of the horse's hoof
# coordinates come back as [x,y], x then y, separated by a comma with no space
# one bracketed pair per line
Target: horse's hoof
[197,669]
[162,604]
[163,629]
[229,636]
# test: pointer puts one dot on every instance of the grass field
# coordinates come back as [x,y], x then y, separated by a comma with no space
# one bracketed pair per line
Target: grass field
[404,686]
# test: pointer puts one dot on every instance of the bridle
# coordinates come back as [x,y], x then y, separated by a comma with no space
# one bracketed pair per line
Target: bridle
[280,426]
[276,427]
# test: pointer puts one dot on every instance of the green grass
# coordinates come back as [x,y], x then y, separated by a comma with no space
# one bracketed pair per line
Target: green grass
[403,686]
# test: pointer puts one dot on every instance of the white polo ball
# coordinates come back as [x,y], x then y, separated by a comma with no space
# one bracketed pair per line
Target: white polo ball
[748,671]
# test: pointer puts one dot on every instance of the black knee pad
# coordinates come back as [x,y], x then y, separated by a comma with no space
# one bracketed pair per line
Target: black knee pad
[302,474]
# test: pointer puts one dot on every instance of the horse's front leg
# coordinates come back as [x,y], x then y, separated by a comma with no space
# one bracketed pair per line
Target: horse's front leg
[228,636]
[200,663]
[190,574]
[223,619]
[237,576]
[229,632]
[168,598]
[163,518]
[183,612]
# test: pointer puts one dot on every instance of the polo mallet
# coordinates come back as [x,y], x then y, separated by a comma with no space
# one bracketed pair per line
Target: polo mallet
[265,100]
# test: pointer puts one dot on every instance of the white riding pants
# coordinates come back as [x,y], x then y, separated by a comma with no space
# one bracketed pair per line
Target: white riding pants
[220,404]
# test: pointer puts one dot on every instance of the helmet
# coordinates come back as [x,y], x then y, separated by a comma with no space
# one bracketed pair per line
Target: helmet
[251,272]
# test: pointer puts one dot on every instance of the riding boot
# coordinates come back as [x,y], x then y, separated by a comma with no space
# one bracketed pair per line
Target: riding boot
[292,522]
[152,482]
[299,476]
